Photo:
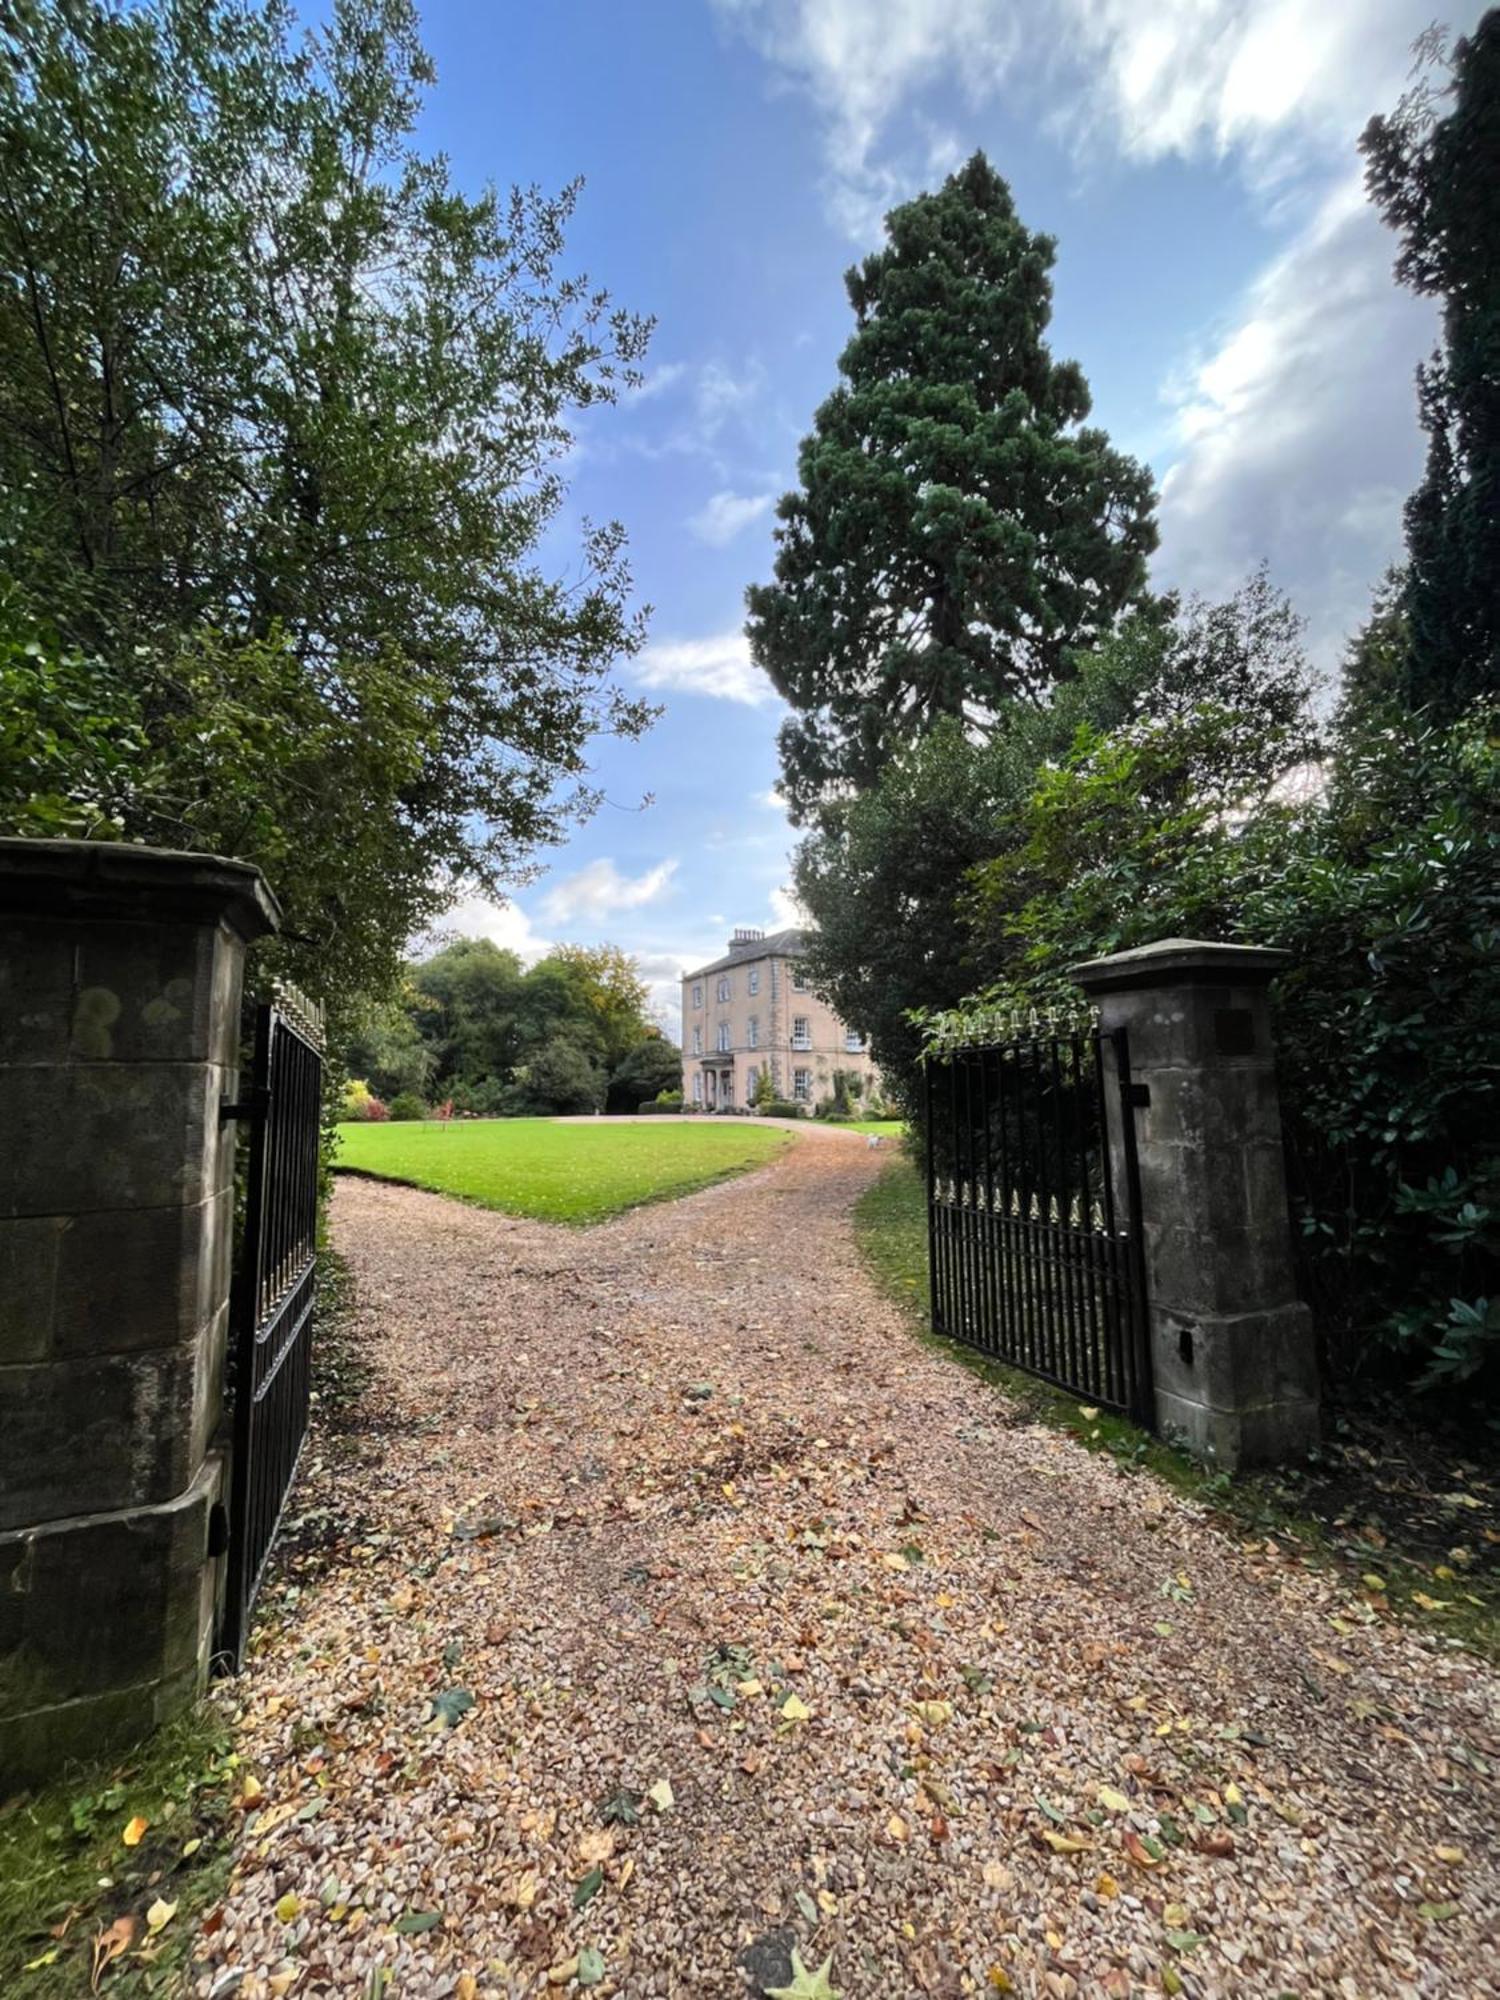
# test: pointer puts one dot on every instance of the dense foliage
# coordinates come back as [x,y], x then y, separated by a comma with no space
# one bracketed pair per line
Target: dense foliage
[281,416]
[1385,888]
[957,533]
[473,1027]
[1433,168]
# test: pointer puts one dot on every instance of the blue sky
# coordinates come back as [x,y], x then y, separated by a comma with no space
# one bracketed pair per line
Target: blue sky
[1219,276]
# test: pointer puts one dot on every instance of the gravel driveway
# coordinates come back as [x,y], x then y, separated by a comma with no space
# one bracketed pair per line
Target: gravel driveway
[779,1630]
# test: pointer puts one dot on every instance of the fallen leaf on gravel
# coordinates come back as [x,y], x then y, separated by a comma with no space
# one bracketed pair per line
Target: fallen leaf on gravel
[467,1987]
[416,1921]
[251,1791]
[805,1985]
[588,1888]
[1116,1801]
[559,1975]
[287,1907]
[896,1827]
[1437,1913]
[1184,1941]
[933,1713]
[794,1709]
[450,1707]
[1064,1843]
[597,1846]
[160,1915]
[660,1795]
[590,1966]
[1139,1853]
[1107,1887]
[1452,1855]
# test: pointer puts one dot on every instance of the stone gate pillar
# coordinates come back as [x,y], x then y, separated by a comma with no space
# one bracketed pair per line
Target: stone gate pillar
[120,975]
[1232,1346]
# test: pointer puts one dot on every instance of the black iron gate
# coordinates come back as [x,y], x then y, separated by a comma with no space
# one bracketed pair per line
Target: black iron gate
[1034,1211]
[270,1341]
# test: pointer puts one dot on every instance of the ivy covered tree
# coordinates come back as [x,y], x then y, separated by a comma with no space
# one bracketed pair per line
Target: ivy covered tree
[1433,172]
[282,411]
[958,533]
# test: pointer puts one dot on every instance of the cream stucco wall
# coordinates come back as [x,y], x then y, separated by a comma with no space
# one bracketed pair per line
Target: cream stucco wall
[758,1003]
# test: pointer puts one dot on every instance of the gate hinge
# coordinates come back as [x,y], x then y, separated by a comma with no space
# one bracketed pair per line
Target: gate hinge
[1138,1095]
[253,1105]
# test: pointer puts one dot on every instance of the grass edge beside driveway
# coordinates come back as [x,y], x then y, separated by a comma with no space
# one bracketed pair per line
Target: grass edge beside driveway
[557,1171]
[890,1227]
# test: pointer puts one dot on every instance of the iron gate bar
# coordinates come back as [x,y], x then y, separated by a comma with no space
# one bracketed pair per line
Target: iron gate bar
[1033,1210]
[272,1299]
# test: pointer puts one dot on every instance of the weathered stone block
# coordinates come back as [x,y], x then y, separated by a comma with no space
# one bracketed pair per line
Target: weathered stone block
[111,1282]
[95,1433]
[105,1626]
[113,1136]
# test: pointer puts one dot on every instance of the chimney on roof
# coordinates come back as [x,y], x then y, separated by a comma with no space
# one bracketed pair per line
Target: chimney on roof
[745,936]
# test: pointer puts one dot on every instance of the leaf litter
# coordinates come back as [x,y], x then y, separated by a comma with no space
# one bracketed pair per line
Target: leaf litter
[988,1765]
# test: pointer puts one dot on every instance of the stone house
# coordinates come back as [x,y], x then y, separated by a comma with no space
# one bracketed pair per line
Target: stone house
[753,1010]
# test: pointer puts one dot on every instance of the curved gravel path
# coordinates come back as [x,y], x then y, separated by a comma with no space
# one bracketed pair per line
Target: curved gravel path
[779,1630]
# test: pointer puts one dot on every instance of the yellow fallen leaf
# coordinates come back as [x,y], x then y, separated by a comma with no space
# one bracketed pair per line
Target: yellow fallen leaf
[1116,1801]
[281,1983]
[1087,1412]
[935,1713]
[287,1907]
[1233,1796]
[134,1831]
[1106,1886]
[660,1795]
[1175,1916]
[795,1709]
[897,1828]
[160,1915]
[1065,1843]
[1430,1603]
[467,1987]
[828,1903]
[748,1688]
[190,1847]
[1452,1855]
[251,1791]
[1000,1979]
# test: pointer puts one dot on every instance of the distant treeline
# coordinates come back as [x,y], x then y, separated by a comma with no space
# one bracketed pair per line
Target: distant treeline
[473,1026]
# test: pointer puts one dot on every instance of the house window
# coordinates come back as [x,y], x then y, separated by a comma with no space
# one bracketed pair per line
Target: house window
[802,1085]
[801,1032]
[724,987]
[754,1030]
[799,979]
[697,1041]
[723,1038]
[853,1043]
[755,979]
[698,1086]
[752,1079]
[698,993]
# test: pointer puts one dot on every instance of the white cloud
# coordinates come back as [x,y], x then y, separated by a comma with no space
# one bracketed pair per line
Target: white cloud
[658,380]
[786,912]
[1268,78]
[727,515]
[718,665]
[1297,431]
[771,800]
[600,891]
[505,924]
[721,394]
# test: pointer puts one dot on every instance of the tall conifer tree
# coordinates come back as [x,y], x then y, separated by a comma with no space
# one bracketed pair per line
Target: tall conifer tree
[957,531]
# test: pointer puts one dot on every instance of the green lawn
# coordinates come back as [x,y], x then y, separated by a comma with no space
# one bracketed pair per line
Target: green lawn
[888,1128]
[558,1173]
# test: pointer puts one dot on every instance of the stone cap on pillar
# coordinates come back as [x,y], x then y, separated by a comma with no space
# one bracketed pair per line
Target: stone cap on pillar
[115,880]
[1180,962]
